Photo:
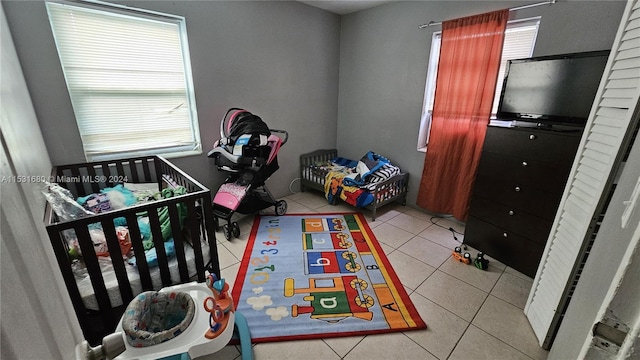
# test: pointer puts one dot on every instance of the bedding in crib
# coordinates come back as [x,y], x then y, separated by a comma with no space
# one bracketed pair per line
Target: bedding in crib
[119,197]
[143,226]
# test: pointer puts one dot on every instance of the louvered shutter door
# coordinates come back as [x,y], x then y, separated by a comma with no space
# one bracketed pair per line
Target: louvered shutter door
[591,177]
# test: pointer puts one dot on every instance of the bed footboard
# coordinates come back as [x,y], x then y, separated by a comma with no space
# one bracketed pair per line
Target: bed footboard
[394,189]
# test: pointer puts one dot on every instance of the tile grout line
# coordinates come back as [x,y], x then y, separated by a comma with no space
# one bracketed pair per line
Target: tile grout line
[474,316]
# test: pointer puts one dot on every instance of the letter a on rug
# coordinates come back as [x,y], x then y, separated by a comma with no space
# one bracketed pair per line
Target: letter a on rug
[316,276]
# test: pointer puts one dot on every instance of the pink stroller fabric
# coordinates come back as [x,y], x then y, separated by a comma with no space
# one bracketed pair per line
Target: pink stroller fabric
[230,195]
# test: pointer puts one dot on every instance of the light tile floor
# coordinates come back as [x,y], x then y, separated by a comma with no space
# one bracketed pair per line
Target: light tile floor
[470,313]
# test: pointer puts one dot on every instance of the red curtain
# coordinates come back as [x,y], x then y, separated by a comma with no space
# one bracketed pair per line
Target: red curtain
[470,55]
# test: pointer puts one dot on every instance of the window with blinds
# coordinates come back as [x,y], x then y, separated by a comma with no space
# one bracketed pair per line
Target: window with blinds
[519,40]
[129,79]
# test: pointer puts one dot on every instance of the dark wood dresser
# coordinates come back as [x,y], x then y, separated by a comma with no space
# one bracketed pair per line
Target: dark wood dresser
[520,180]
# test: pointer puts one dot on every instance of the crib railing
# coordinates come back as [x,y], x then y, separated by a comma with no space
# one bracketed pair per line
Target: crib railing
[87,178]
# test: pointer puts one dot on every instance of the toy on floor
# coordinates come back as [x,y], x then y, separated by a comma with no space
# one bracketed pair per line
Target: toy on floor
[463,258]
[183,322]
[480,262]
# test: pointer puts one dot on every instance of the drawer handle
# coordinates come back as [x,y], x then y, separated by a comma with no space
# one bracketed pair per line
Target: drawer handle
[511,213]
[505,235]
[532,137]
[517,189]
[525,164]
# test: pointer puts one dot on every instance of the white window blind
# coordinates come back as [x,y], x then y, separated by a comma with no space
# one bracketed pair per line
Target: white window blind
[129,79]
[519,40]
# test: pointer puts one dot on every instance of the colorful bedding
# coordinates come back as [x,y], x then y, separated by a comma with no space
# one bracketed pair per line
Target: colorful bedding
[352,181]
[119,197]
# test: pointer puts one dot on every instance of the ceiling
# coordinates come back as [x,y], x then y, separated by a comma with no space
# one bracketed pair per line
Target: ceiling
[345,6]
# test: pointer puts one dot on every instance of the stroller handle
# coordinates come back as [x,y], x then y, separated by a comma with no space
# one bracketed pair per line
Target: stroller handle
[286,135]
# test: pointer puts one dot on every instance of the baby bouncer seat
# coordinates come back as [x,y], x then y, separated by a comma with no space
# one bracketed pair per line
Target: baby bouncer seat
[248,151]
[180,322]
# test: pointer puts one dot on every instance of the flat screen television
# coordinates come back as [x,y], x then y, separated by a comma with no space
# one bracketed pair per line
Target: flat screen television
[556,89]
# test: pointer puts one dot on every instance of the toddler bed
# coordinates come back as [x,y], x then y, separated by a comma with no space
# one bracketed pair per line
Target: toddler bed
[341,178]
[164,237]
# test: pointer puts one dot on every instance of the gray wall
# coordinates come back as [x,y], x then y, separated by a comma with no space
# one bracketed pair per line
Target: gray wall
[278,60]
[384,57]
[354,82]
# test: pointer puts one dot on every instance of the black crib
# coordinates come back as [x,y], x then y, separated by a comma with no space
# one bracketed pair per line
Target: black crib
[197,234]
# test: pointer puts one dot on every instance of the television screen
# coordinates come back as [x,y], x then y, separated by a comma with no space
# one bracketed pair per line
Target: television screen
[552,89]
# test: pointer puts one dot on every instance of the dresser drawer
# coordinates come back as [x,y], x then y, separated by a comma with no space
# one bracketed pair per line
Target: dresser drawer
[555,148]
[508,248]
[510,219]
[524,170]
[522,197]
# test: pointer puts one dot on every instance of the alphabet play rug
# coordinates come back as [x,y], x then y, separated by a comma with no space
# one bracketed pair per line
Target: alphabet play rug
[319,275]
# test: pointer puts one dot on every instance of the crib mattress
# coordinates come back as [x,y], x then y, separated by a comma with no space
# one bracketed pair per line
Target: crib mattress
[111,282]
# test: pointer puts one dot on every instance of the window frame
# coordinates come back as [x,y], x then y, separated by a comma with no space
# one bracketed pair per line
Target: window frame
[78,95]
[432,69]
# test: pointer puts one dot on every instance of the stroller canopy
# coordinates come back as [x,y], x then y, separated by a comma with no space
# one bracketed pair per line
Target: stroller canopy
[243,122]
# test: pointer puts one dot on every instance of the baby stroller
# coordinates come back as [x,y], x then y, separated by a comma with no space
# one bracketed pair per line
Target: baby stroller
[248,151]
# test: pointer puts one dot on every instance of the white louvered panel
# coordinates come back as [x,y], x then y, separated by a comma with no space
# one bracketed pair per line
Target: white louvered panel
[610,122]
[593,164]
[617,94]
[554,267]
[607,126]
[598,150]
[602,133]
[631,34]
[632,52]
[573,204]
[621,84]
[630,43]
[625,74]
[582,195]
[548,298]
[575,207]
[589,171]
[617,103]
[610,131]
[627,63]
[565,249]
[601,143]
[582,190]
[596,155]
[592,169]
[571,223]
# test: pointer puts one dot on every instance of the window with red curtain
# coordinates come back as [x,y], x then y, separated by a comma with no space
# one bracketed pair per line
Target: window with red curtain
[467,74]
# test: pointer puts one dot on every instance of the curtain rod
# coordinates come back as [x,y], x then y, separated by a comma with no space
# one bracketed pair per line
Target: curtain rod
[549,2]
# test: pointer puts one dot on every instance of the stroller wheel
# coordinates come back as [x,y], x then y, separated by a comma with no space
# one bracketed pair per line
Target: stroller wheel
[235,229]
[227,231]
[281,207]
